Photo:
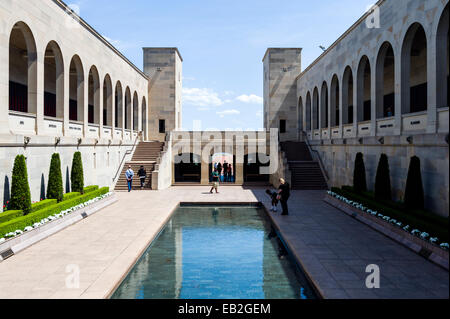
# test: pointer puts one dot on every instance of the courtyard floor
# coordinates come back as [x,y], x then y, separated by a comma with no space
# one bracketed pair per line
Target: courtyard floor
[334,249]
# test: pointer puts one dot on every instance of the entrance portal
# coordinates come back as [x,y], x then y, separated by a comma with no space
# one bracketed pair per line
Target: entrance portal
[252,167]
[225,160]
[190,171]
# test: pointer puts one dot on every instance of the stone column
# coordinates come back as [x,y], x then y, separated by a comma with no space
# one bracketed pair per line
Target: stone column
[239,172]
[355,103]
[432,72]
[341,107]
[100,109]
[373,98]
[36,98]
[113,111]
[4,86]
[399,94]
[204,180]
[66,102]
[329,110]
[85,103]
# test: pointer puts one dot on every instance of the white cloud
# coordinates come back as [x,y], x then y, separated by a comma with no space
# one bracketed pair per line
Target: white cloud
[251,99]
[201,97]
[228,112]
[259,114]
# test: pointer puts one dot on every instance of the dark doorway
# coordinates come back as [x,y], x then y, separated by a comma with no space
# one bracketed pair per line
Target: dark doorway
[189,172]
[252,167]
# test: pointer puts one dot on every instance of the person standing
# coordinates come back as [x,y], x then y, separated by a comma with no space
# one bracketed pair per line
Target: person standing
[215,179]
[142,173]
[230,173]
[129,174]
[283,196]
[219,169]
[225,171]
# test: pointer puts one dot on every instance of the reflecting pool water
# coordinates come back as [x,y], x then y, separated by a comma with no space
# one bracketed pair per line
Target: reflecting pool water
[215,253]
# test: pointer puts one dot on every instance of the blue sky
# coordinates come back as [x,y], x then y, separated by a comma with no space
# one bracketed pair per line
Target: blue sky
[222,44]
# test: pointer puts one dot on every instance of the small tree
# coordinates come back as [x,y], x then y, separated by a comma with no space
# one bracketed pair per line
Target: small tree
[383,180]
[55,184]
[20,189]
[359,174]
[76,175]
[414,196]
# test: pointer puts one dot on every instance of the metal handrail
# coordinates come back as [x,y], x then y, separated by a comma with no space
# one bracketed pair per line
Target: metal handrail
[318,155]
[128,152]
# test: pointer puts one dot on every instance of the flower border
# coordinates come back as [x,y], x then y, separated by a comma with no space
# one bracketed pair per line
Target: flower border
[53,217]
[415,232]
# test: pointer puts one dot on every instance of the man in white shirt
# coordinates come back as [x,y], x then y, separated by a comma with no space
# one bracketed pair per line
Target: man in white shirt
[129,174]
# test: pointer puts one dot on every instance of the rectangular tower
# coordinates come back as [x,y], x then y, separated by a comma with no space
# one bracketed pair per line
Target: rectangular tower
[164,68]
[281,67]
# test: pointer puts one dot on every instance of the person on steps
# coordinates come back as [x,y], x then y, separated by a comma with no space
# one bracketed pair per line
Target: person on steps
[142,173]
[129,174]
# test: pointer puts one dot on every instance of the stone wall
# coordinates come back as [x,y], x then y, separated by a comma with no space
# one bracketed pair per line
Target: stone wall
[432,149]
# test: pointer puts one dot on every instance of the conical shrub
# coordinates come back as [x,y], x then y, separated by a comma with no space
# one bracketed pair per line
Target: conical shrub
[383,180]
[20,189]
[55,183]
[414,196]
[359,174]
[76,175]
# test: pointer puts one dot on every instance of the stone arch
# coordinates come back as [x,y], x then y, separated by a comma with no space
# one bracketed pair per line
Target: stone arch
[334,101]
[414,70]
[324,105]
[385,81]
[76,89]
[364,90]
[94,96]
[53,81]
[128,109]
[347,96]
[442,59]
[315,109]
[308,112]
[144,117]
[300,114]
[107,101]
[22,69]
[118,96]
[135,112]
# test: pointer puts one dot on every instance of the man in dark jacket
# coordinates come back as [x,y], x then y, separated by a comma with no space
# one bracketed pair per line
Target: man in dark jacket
[142,173]
[225,171]
[283,196]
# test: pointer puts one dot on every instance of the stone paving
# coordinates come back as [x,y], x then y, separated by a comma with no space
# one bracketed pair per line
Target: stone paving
[333,248]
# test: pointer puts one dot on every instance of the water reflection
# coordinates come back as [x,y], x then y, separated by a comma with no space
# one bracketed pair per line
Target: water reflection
[215,253]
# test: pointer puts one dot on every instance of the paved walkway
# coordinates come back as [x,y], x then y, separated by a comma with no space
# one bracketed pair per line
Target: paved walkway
[334,249]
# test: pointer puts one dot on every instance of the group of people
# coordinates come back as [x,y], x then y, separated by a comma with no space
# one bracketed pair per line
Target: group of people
[129,174]
[227,170]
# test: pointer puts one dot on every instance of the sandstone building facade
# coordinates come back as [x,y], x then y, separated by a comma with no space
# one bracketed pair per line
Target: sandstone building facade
[382,87]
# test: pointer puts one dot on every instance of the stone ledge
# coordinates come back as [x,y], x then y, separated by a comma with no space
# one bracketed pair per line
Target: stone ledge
[27,239]
[419,246]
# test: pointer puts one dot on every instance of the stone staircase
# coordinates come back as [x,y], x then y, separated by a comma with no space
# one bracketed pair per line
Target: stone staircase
[146,154]
[305,172]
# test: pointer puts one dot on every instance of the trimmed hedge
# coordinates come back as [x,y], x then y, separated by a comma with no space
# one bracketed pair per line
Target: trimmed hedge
[30,219]
[42,204]
[89,189]
[359,174]
[55,183]
[68,196]
[424,221]
[414,195]
[20,189]
[76,174]
[383,180]
[10,214]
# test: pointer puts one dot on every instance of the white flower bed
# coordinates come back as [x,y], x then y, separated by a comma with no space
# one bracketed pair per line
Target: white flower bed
[423,235]
[53,217]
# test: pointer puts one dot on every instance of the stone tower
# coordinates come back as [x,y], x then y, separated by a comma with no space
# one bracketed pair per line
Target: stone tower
[281,68]
[164,68]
